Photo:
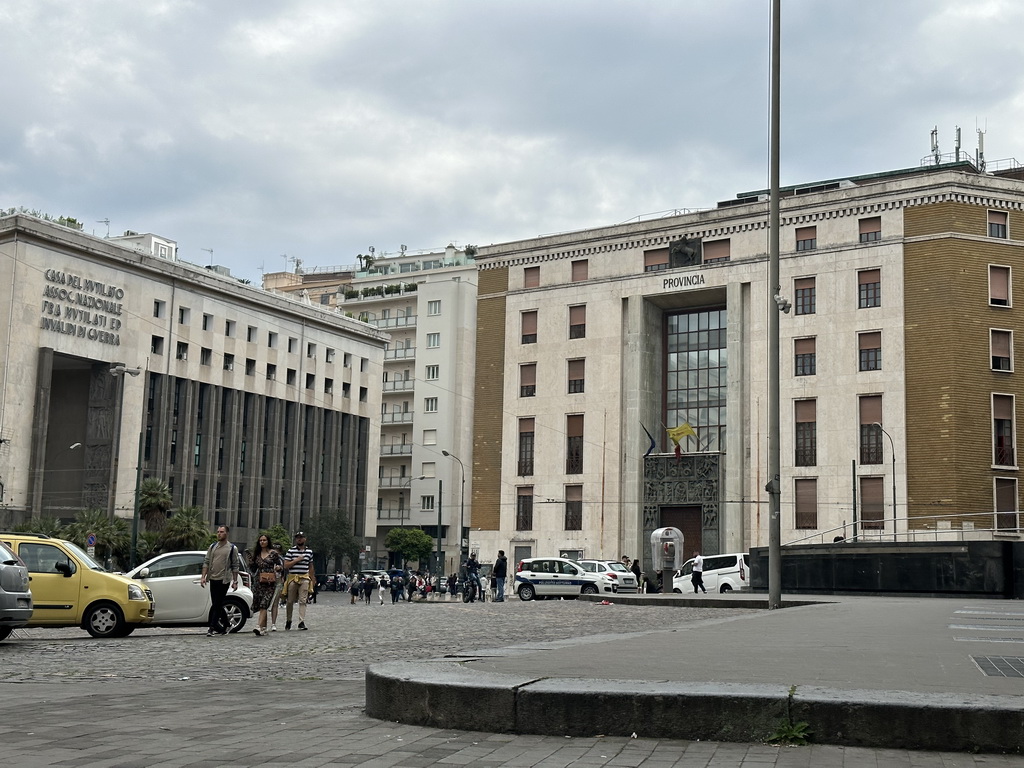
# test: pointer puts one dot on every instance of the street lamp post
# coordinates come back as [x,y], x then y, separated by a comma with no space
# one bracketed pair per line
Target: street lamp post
[440,552]
[462,502]
[892,450]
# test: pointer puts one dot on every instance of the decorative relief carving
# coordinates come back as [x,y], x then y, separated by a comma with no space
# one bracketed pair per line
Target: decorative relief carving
[689,480]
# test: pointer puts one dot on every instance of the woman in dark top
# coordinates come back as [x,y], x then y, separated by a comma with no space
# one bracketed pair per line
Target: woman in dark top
[265,564]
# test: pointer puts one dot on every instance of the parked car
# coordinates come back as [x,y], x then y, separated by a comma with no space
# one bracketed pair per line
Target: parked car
[553,577]
[614,577]
[15,597]
[173,578]
[722,573]
[70,589]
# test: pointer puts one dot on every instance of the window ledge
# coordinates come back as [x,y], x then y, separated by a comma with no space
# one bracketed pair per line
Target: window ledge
[1005,467]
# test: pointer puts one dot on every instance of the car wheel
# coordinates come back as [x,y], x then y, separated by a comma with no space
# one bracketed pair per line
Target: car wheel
[5,632]
[128,629]
[677,591]
[104,620]
[725,588]
[526,592]
[236,613]
[589,589]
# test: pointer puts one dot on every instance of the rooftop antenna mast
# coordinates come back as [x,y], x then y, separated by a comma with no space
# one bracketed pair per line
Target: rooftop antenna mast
[209,251]
[958,143]
[979,158]
[107,222]
[297,262]
[935,145]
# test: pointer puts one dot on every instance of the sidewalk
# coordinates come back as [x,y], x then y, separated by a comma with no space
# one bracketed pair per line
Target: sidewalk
[894,672]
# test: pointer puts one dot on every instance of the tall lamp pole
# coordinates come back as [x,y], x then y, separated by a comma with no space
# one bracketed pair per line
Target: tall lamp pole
[462,501]
[440,552]
[892,450]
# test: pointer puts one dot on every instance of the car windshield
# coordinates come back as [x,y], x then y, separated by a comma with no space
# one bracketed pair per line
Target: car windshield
[7,556]
[80,553]
[616,566]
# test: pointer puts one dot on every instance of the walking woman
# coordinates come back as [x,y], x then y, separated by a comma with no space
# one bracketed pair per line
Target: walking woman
[265,565]
[276,601]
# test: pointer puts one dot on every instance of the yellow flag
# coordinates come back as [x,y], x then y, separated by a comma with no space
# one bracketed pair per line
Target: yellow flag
[678,433]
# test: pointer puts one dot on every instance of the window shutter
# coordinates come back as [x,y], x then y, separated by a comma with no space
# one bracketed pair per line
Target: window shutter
[871,340]
[874,224]
[804,346]
[654,258]
[577,369]
[1000,343]
[579,270]
[529,322]
[716,250]
[806,411]
[574,426]
[1002,407]
[806,233]
[871,409]
[999,284]
[528,375]
[803,283]
[869,276]
[531,277]
[578,315]
[526,425]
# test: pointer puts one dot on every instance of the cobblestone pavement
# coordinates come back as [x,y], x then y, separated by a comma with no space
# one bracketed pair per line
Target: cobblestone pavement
[174,697]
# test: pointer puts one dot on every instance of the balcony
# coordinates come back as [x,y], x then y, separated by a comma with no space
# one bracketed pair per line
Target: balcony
[395,322]
[393,482]
[401,449]
[401,353]
[399,385]
[397,417]
[399,514]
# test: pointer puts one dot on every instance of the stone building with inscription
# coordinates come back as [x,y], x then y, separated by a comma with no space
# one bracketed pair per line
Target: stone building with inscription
[898,375]
[121,362]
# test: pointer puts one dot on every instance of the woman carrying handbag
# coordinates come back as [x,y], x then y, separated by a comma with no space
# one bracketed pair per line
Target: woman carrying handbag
[265,565]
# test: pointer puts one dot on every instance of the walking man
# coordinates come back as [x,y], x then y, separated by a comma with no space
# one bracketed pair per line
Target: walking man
[298,562]
[220,568]
[499,573]
[697,575]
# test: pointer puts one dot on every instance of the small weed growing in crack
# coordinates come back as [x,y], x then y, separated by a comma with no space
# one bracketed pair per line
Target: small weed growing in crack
[788,732]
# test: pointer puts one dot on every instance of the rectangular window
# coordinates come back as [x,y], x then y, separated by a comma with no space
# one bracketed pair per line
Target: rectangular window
[430,437]
[183,315]
[870,229]
[310,381]
[716,251]
[869,288]
[271,339]
[311,351]
[271,372]
[250,367]
[250,334]
[325,298]
[574,444]
[524,461]
[156,345]
[1003,430]
[870,429]
[207,322]
[329,355]
[656,261]
[531,277]
[872,503]
[328,386]
[997,224]
[205,356]
[363,394]
[869,346]
[696,364]
[805,412]
[346,360]
[580,270]
[433,340]
[577,376]
[159,307]
[229,362]
[293,345]
[528,380]
[999,286]
[806,507]
[432,372]
[524,508]
[804,293]
[578,321]
[182,351]
[806,238]
[805,357]
[528,324]
[574,507]
[346,389]
[1001,343]
[434,307]
[430,405]
[1006,504]
[229,328]
[426,503]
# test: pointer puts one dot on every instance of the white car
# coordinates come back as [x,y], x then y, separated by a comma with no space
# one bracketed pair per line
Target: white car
[173,578]
[722,573]
[545,577]
[613,575]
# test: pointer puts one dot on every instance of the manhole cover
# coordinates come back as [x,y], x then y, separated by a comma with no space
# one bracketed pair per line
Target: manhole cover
[1000,666]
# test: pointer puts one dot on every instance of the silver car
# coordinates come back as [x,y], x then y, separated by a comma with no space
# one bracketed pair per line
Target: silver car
[546,577]
[15,597]
[614,576]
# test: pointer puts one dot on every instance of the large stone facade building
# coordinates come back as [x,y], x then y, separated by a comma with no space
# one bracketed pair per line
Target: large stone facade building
[898,383]
[120,362]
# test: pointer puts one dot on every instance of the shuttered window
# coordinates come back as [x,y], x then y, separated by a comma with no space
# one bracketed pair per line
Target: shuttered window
[1002,346]
[580,269]
[529,327]
[806,494]
[869,288]
[528,380]
[716,250]
[1003,441]
[805,413]
[805,357]
[870,229]
[870,433]
[578,321]
[999,286]
[531,277]
[872,503]
[997,224]
[574,444]
[655,261]
[869,346]
[806,238]
[577,376]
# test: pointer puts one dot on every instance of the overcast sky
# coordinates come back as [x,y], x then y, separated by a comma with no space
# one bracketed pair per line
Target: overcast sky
[317,128]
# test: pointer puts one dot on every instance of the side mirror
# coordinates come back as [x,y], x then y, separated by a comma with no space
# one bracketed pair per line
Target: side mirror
[64,568]
[143,573]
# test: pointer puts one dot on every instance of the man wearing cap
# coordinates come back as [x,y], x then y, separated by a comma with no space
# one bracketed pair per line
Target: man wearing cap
[298,563]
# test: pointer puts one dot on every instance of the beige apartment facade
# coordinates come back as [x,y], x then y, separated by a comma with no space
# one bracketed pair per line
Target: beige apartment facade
[898,390]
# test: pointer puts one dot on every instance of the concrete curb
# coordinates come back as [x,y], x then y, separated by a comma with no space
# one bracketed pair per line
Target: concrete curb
[444,694]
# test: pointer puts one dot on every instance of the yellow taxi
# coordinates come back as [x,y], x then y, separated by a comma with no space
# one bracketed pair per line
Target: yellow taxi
[70,589]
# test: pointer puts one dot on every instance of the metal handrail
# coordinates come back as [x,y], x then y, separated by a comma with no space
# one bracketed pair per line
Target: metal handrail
[914,534]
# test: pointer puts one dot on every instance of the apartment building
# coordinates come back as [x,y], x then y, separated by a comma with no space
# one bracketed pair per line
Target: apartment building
[898,384]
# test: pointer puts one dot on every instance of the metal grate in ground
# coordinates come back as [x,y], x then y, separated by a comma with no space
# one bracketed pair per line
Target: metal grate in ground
[1000,666]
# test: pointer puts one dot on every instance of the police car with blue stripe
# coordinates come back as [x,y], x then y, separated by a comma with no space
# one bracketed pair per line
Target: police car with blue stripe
[545,577]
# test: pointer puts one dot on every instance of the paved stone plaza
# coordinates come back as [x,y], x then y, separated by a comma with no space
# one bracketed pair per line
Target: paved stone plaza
[164,697]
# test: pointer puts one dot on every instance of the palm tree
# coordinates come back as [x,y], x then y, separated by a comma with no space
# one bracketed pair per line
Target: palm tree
[147,546]
[154,501]
[51,526]
[186,529]
[112,535]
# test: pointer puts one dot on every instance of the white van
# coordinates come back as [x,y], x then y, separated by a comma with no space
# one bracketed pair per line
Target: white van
[722,573]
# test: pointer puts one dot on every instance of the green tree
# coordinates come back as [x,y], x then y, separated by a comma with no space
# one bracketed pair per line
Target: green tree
[50,526]
[409,543]
[113,536]
[154,502]
[147,546]
[278,534]
[330,537]
[186,529]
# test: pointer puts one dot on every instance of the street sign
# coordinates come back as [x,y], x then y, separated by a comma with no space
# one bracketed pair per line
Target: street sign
[90,544]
